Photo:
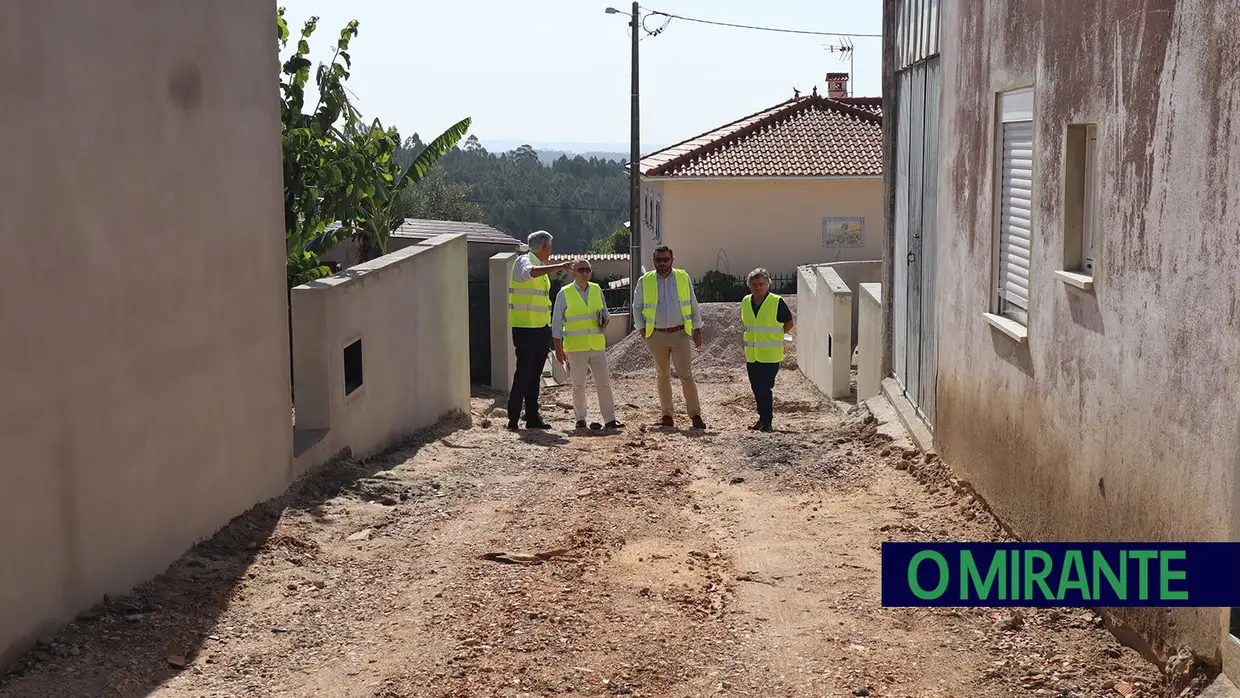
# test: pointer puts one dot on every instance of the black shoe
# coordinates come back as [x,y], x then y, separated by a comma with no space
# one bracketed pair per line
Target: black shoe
[581,424]
[613,424]
[756,425]
[536,423]
[698,423]
[764,426]
[514,426]
[595,426]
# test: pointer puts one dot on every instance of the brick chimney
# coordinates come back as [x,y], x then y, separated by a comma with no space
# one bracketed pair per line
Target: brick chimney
[837,85]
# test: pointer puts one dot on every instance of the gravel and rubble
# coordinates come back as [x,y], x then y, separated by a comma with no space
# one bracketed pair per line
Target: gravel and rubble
[667,563]
[722,348]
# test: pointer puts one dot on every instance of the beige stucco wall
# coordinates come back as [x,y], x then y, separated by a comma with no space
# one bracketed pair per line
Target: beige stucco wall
[409,310]
[1117,419]
[734,225]
[146,384]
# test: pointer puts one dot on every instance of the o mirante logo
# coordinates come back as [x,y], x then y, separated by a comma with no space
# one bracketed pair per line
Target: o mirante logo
[1061,574]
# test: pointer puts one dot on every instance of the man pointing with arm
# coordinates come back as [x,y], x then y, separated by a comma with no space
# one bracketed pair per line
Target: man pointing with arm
[529,316]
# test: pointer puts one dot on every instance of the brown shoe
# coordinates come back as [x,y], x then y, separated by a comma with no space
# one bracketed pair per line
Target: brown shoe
[667,421]
[698,423]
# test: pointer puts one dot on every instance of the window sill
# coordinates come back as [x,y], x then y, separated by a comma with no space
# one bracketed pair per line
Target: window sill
[1076,279]
[1016,331]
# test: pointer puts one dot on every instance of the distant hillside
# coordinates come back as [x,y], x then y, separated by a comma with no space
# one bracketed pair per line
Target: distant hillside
[548,152]
[579,198]
[547,157]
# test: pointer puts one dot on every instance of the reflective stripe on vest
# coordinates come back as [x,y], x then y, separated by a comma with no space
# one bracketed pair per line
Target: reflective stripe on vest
[581,330]
[764,335]
[529,302]
[650,299]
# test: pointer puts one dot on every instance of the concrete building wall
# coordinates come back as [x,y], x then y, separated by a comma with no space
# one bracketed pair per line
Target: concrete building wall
[478,272]
[406,308]
[146,387]
[828,318]
[824,334]
[736,225]
[869,339]
[1116,418]
[652,218]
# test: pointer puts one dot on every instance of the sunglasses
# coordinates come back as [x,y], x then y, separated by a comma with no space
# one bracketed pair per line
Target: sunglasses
[662,260]
[584,270]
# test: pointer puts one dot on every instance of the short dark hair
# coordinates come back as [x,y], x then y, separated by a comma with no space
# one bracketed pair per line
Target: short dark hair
[664,248]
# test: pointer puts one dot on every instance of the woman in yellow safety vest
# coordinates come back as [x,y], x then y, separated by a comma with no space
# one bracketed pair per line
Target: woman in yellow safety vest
[765,317]
[577,323]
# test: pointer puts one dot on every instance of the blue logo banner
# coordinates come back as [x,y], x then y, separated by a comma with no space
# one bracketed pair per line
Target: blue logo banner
[1061,574]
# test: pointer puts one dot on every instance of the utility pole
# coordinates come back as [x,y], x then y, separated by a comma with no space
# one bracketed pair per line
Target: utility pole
[635,179]
[635,176]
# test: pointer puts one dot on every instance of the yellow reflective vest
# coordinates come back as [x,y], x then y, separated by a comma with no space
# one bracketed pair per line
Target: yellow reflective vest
[581,318]
[764,334]
[529,302]
[650,298]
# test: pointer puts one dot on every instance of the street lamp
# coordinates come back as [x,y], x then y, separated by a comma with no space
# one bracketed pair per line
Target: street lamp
[635,155]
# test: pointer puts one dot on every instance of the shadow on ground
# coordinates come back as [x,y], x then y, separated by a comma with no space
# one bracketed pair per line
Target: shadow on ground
[126,646]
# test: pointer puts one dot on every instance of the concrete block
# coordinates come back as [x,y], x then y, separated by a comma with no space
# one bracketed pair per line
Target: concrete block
[869,341]
[503,354]
[835,305]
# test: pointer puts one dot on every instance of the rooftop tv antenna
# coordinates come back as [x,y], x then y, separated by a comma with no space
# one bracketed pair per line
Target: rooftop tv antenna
[845,49]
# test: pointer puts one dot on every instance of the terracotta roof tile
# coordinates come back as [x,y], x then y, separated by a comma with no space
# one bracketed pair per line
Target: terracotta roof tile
[805,137]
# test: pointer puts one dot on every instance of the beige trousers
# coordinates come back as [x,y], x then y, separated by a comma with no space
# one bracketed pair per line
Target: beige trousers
[595,362]
[669,348]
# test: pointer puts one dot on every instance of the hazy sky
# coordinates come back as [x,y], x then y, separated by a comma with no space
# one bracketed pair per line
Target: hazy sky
[557,71]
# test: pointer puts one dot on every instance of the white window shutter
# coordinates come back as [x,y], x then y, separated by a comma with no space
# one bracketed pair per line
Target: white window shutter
[1016,218]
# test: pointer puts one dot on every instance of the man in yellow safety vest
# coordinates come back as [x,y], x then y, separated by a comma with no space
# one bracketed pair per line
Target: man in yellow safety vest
[577,323]
[529,316]
[765,317]
[666,309]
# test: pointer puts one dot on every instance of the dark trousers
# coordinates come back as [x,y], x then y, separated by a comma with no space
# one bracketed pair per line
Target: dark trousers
[532,344]
[762,380]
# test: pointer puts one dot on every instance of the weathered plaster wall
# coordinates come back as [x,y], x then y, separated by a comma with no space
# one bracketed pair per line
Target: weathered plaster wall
[1117,419]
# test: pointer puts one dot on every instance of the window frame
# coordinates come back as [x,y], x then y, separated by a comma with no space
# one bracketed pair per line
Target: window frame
[658,219]
[1013,106]
[1090,213]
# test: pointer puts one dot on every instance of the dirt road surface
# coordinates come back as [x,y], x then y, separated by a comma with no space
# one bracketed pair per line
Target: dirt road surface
[673,563]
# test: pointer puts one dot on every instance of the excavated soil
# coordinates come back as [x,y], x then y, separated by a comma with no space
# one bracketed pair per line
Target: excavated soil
[722,345]
[660,562]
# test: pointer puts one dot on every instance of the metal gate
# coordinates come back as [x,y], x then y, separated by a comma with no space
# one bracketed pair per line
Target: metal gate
[917,81]
[480,331]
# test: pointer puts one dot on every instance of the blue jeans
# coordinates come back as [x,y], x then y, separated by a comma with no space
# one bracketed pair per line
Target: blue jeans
[762,380]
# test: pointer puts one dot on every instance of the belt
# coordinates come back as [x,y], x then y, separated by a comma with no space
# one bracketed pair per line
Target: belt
[678,328]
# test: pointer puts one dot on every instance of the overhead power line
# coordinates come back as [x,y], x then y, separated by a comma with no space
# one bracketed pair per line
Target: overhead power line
[671,16]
